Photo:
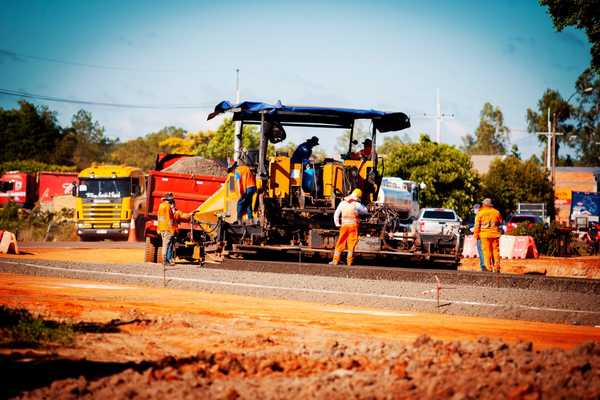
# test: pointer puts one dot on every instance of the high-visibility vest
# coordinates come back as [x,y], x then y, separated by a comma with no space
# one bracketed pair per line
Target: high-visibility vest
[350,211]
[487,223]
[166,218]
[245,178]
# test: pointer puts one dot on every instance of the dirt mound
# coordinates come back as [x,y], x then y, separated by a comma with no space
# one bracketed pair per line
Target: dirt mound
[425,369]
[198,166]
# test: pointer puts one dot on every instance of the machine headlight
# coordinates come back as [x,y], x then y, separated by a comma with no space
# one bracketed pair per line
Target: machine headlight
[124,224]
[80,225]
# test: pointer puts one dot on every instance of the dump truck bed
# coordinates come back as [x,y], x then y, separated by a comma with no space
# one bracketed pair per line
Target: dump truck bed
[189,190]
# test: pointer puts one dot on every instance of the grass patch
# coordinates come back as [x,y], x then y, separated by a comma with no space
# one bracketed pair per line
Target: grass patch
[20,328]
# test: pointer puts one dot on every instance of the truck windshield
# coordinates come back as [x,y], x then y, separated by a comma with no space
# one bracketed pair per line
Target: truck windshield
[104,188]
[439,215]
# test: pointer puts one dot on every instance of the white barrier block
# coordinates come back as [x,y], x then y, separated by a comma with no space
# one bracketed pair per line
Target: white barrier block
[507,246]
[470,247]
[8,244]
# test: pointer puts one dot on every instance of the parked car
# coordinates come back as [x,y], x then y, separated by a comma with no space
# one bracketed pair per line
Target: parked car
[439,229]
[516,219]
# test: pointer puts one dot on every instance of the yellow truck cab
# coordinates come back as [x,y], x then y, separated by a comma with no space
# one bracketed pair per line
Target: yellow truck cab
[108,198]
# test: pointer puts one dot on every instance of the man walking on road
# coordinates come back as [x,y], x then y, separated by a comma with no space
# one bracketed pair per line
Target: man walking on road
[347,217]
[487,228]
[166,226]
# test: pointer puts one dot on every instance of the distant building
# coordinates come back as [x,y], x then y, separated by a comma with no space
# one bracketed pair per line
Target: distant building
[481,163]
[573,179]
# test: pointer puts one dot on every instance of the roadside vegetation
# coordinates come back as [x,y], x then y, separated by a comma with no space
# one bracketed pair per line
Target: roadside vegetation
[37,224]
[20,328]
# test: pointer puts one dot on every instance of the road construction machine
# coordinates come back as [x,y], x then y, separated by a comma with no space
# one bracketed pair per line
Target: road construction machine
[295,201]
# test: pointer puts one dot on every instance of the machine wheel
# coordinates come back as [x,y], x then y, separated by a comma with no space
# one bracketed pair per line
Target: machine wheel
[150,251]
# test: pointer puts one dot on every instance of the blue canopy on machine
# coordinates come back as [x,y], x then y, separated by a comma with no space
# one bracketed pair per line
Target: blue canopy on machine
[330,117]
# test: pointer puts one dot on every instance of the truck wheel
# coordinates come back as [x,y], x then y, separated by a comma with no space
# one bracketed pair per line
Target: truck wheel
[150,251]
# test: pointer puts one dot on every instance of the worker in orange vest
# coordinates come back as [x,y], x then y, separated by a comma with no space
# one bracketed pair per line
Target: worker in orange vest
[487,228]
[347,218]
[245,180]
[166,226]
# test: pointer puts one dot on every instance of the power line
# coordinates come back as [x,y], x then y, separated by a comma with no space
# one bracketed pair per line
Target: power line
[23,94]
[16,56]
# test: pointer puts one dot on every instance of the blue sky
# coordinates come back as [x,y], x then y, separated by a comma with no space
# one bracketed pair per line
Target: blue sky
[389,55]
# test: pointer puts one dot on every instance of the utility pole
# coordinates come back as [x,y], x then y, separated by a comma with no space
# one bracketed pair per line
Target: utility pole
[550,145]
[439,116]
[548,135]
[237,142]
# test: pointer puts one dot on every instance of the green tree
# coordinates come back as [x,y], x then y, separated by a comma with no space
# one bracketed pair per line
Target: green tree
[360,133]
[451,180]
[491,136]
[391,143]
[586,138]
[29,133]
[511,181]
[582,14]
[560,112]
[141,152]
[90,144]
[219,144]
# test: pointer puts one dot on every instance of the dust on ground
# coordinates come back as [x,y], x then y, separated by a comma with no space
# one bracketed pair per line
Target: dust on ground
[159,343]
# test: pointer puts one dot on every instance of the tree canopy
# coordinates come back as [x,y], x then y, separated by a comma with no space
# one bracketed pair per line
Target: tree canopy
[29,133]
[586,140]
[510,181]
[582,14]
[451,180]
[86,139]
[560,112]
[491,136]
[141,152]
[219,144]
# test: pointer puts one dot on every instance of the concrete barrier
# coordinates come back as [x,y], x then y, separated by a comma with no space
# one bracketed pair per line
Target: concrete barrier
[8,243]
[470,247]
[507,246]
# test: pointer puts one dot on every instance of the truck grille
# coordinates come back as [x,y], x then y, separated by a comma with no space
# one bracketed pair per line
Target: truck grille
[101,211]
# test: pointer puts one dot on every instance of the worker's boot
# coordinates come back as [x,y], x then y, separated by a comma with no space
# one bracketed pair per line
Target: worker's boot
[336,259]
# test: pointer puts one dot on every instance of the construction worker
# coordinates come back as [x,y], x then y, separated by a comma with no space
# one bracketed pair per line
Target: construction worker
[304,151]
[246,187]
[166,226]
[476,208]
[365,153]
[347,218]
[487,228]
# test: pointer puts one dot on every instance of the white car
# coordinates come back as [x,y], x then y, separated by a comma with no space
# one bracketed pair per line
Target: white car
[438,222]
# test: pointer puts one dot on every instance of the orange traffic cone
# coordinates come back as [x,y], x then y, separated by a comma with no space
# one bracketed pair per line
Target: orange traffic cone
[132,233]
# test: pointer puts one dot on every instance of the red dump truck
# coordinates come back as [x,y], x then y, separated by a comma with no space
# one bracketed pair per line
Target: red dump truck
[25,189]
[175,173]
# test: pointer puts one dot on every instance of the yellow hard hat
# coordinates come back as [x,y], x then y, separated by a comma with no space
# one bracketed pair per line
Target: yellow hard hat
[357,193]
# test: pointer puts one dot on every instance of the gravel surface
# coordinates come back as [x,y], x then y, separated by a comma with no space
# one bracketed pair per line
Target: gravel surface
[461,299]
[426,369]
[105,244]
[198,166]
